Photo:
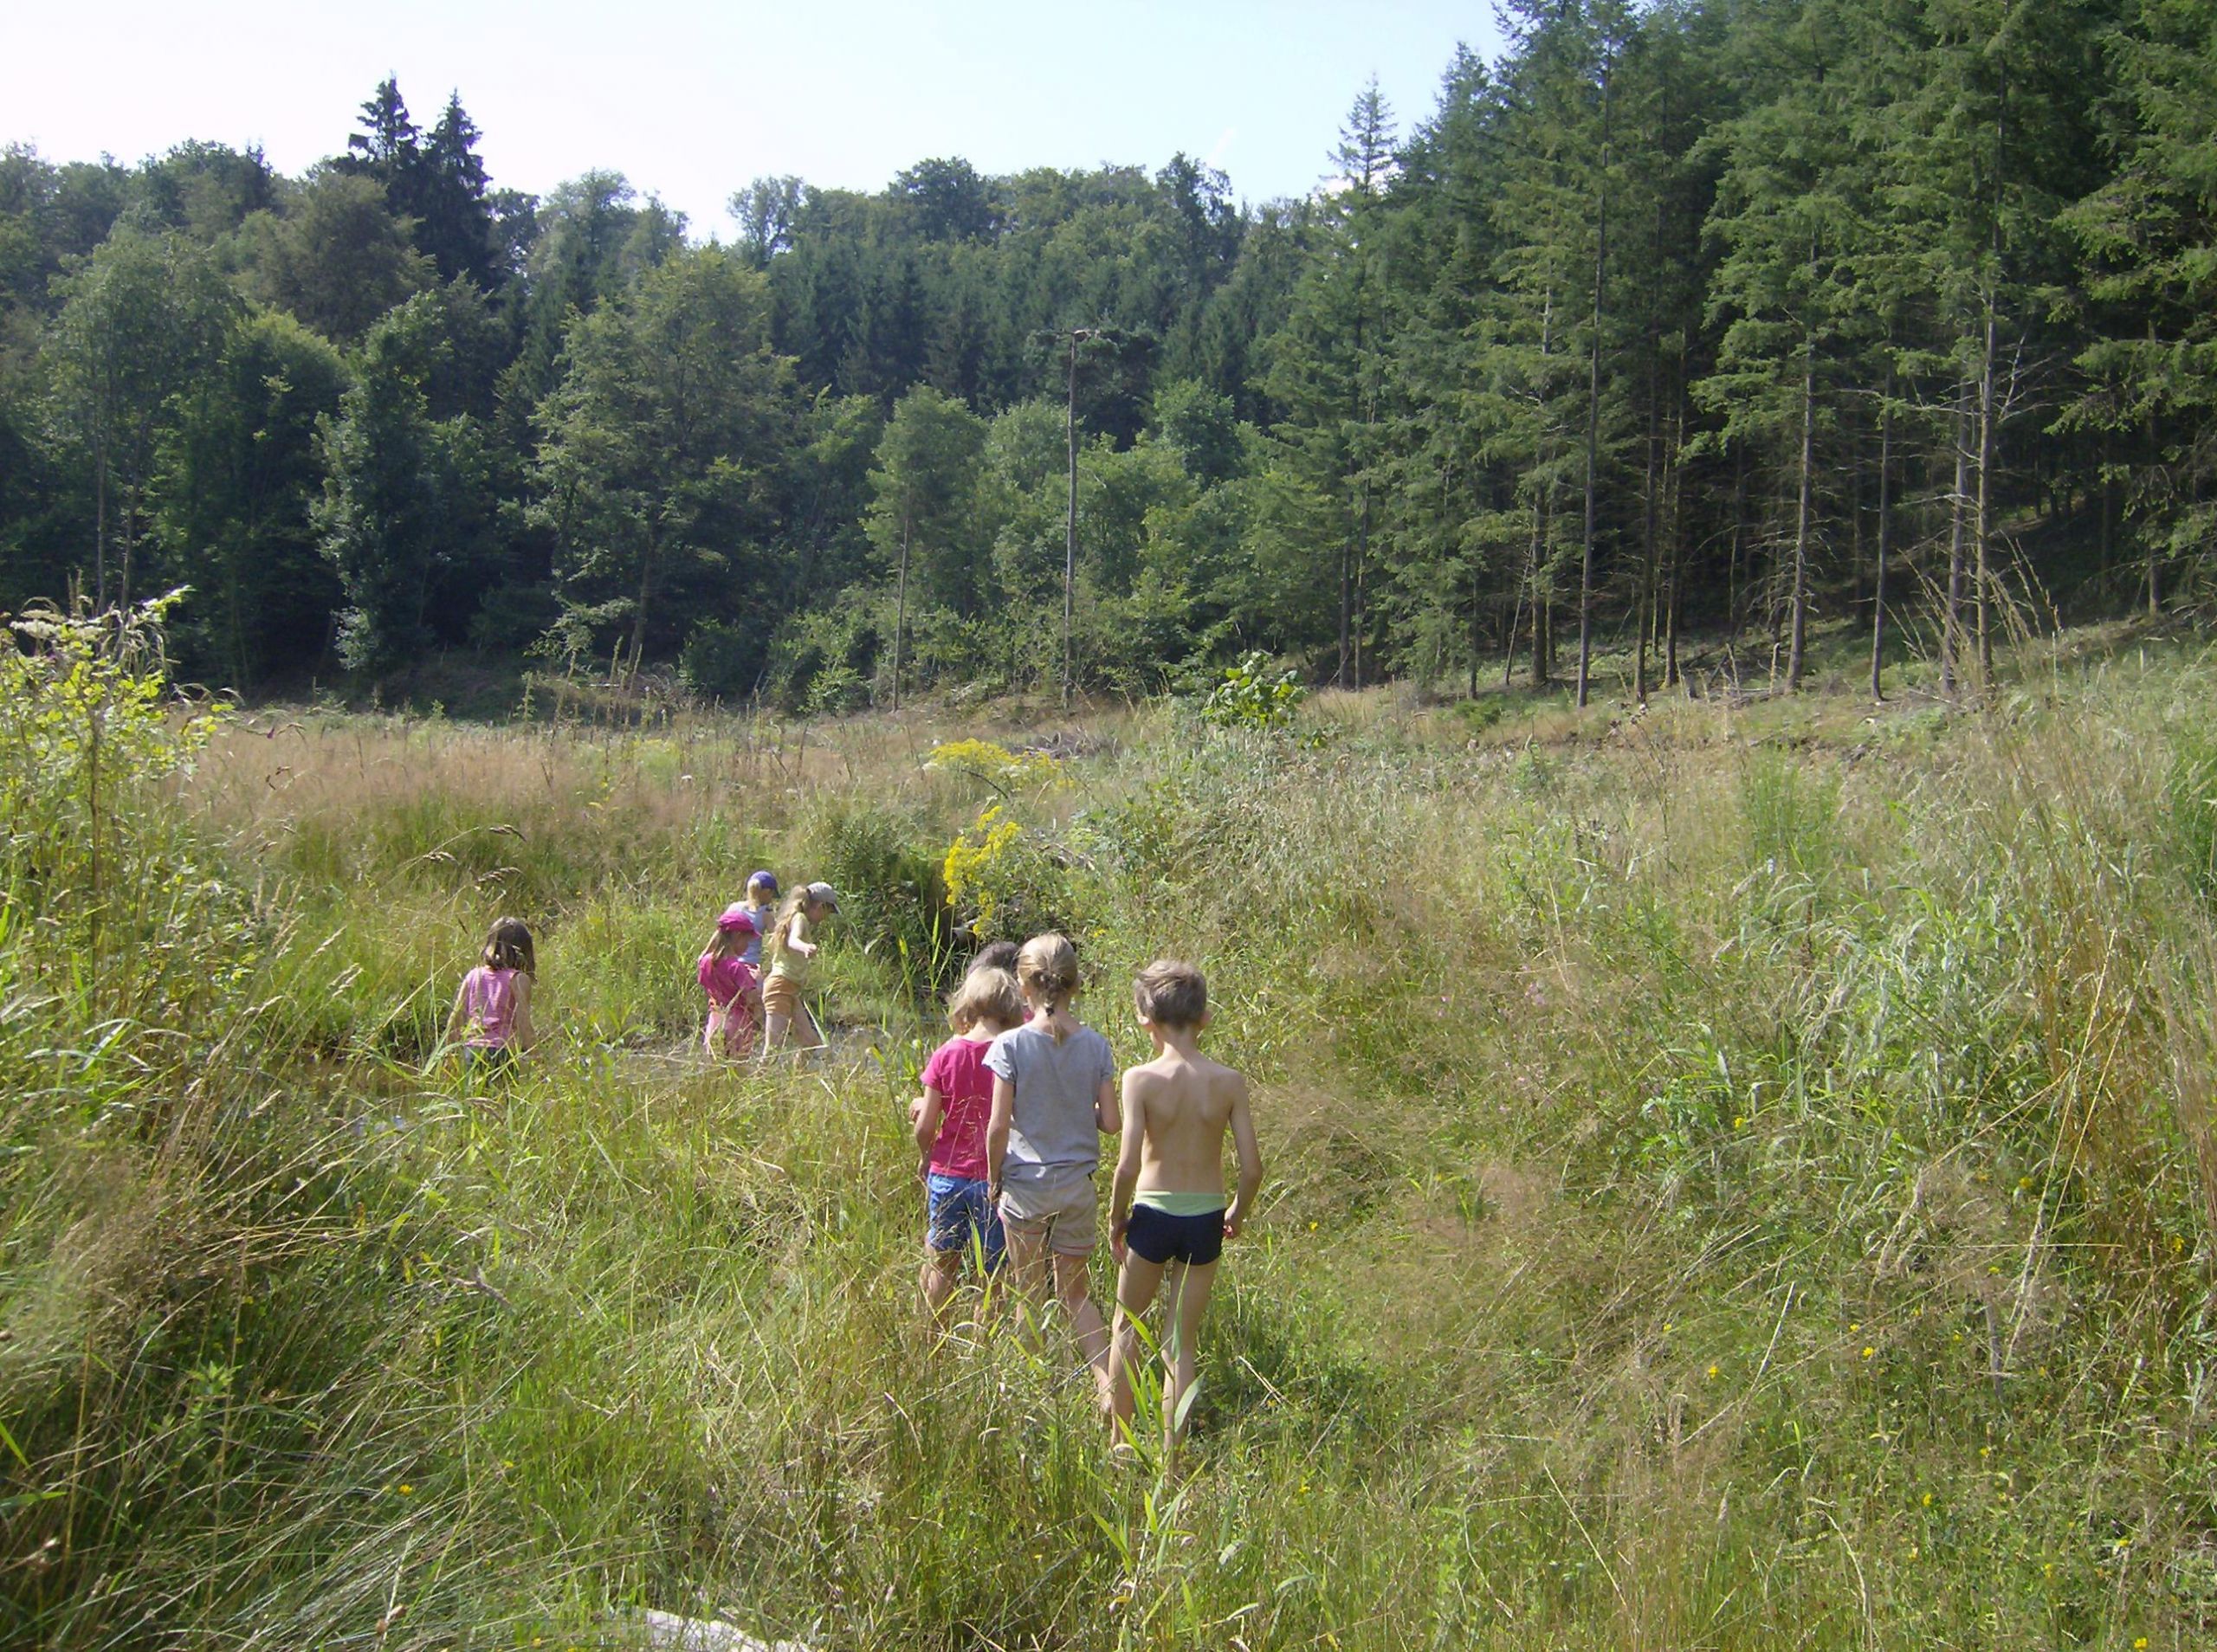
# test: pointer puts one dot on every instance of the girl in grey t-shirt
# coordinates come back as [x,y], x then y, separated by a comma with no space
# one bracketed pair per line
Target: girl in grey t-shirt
[1054,1096]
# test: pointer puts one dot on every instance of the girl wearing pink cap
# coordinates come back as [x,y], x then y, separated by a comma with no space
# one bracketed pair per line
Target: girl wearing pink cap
[733,986]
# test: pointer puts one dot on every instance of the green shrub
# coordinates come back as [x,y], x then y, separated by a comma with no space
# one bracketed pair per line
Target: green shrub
[1009,881]
[1252,696]
[721,660]
[892,896]
[1477,716]
[836,691]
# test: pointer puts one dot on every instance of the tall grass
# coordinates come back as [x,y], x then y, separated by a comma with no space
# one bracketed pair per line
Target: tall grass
[1739,1179]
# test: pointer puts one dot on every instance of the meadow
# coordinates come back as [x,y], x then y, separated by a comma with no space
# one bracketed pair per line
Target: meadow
[1742,1175]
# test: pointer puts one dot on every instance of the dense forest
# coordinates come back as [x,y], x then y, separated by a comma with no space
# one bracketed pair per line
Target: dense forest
[1704,319]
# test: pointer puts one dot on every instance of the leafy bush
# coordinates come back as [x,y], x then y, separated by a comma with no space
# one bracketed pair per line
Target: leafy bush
[721,660]
[125,912]
[1250,696]
[1478,715]
[1009,881]
[824,660]
[512,616]
[990,761]
[893,899]
[836,691]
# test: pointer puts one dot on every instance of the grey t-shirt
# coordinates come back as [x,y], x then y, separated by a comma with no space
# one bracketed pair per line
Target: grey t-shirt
[1056,1084]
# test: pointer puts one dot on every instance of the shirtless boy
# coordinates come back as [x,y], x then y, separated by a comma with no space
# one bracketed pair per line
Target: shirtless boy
[1167,1220]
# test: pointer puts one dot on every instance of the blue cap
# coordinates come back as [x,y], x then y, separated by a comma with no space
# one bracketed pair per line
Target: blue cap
[768,879]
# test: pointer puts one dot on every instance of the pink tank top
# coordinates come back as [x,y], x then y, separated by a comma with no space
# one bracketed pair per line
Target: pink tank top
[724,979]
[489,998]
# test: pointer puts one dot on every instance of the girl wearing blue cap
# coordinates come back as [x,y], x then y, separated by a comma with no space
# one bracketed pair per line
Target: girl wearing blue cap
[761,905]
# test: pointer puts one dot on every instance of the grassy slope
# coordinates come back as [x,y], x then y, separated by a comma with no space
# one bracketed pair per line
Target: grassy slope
[1738,1177]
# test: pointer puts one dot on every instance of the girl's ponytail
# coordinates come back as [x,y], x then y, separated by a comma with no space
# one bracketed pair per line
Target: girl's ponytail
[782,927]
[1048,965]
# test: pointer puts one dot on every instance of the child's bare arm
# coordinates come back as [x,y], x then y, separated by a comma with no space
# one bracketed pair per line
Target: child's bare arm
[1128,1166]
[527,1035]
[454,1016]
[1108,1119]
[997,1127]
[1250,1162]
[927,1120]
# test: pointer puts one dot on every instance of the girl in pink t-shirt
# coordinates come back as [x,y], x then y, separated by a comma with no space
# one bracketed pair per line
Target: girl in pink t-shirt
[492,1011]
[950,1126]
[733,988]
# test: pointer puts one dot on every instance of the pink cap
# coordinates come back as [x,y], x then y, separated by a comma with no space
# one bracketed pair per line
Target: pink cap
[736,916]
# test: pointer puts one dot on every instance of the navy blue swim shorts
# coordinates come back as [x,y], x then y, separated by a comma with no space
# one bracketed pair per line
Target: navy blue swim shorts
[1160,1237]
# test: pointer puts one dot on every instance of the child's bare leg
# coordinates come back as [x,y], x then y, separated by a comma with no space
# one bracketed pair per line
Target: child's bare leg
[1189,1300]
[941,1269]
[1136,1283]
[805,1030]
[1092,1335]
[1027,1265]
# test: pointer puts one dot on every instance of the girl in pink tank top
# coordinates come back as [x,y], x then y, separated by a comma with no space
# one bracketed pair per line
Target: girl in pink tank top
[733,990]
[491,1016]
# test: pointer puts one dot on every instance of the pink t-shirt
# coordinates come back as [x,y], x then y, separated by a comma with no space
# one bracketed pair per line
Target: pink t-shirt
[489,997]
[958,1071]
[725,979]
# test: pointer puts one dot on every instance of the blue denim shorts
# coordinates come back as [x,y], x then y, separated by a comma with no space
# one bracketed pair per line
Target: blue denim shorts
[957,1209]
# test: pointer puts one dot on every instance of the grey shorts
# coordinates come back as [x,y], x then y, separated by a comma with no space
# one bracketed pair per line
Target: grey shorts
[1054,1203]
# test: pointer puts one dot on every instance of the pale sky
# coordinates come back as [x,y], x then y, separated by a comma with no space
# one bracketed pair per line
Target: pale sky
[691,99]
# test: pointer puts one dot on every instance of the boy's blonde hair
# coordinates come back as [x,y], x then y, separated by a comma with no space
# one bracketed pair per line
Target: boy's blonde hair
[1048,966]
[1170,993]
[985,995]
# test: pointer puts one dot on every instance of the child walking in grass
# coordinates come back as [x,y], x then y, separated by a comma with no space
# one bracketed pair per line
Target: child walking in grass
[1167,1221]
[492,1010]
[735,994]
[950,1129]
[761,904]
[791,949]
[1054,1093]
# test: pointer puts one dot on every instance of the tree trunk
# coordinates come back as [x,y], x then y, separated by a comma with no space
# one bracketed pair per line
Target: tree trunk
[1734,595]
[1951,619]
[1885,540]
[1984,526]
[1540,596]
[1361,561]
[99,524]
[123,584]
[1593,395]
[1542,501]
[1854,443]
[1797,649]
[1675,489]
[1647,549]
[2154,545]
[638,619]
[900,621]
[1509,652]
[1069,542]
